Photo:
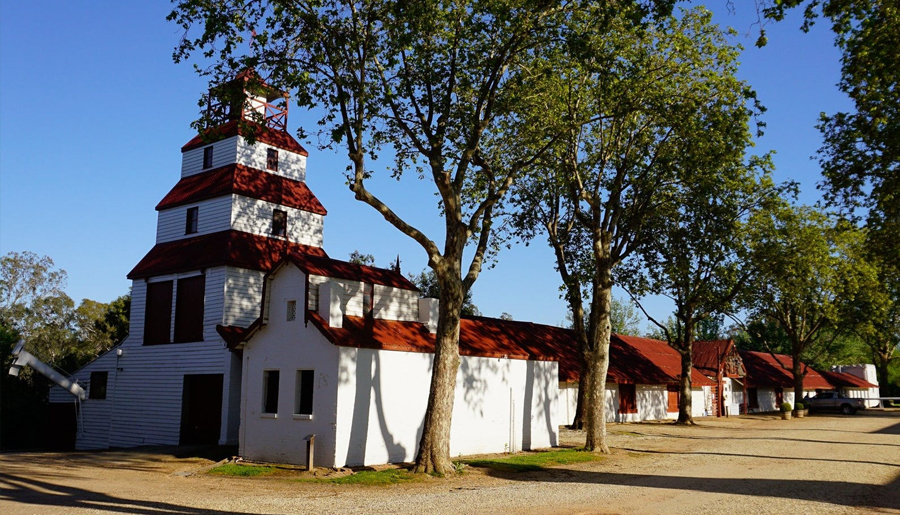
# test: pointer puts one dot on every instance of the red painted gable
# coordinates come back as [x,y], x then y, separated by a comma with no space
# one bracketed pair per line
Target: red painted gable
[246,181]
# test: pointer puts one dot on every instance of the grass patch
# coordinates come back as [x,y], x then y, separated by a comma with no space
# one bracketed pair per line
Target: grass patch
[376,478]
[231,469]
[534,461]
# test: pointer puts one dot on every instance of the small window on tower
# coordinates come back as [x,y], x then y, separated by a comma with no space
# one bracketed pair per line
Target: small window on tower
[190,223]
[207,157]
[279,222]
[272,159]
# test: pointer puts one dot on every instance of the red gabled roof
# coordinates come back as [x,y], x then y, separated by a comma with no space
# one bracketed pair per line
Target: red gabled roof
[765,371]
[709,356]
[845,380]
[274,137]
[233,248]
[246,181]
[327,267]
[478,336]
[647,361]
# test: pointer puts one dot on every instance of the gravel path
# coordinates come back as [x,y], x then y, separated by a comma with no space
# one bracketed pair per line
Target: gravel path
[753,464]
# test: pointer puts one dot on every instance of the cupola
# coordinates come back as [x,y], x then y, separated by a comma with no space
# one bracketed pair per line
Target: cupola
[247,97]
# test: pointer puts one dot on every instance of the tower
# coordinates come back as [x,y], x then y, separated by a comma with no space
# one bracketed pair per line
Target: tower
[240,206]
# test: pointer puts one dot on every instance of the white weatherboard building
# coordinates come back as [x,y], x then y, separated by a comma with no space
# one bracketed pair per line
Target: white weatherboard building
[339,350]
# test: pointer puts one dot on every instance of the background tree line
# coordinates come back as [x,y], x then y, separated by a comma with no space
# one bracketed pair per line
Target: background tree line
[35,307]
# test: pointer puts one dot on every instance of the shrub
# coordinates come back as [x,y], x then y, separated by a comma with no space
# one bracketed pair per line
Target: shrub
[799,406]
[786,406]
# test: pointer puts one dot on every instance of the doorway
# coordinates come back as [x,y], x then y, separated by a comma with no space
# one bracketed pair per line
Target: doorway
[201,409]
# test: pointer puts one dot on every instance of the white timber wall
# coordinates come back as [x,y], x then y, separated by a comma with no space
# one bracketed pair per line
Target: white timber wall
[499,405]
[255,216]
[652,403]
[734,395]
[352,294]
[290,164]
[224,153]
[145,384]
[243,291]
[395,304]
[213,215]
[288,346]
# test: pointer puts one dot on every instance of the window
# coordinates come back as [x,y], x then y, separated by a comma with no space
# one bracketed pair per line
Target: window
[627,402]
[98,385]
[207,157]
[270,391]
[272,159]
[189,309]
[303,396]
[158,313]
[279,222]
[672,392]
[190,222]
[291,310]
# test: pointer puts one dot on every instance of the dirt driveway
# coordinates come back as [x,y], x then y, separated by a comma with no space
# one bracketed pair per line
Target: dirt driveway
[754,464]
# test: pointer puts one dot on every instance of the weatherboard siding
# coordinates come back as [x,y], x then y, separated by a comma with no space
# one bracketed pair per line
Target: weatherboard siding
[243,289]
[213,215]
[255,216]
[290,164]
[224,153]
[396,304]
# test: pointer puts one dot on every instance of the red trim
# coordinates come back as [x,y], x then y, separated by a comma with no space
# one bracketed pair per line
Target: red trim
[246,181]
[232,248]
[275,138]
[327,267]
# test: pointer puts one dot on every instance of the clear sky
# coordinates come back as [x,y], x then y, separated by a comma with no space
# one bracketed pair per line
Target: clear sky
[93,113]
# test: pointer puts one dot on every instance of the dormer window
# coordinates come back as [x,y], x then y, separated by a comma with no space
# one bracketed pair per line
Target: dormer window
[207,157]
[190,222]
[279,222]
[272,159]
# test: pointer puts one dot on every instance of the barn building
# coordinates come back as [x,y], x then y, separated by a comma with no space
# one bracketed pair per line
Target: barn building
[720,361]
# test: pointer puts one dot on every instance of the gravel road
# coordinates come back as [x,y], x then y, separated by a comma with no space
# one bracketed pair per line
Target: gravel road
[751,464]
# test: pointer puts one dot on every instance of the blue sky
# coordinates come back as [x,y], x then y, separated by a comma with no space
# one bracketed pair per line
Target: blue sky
[93,113]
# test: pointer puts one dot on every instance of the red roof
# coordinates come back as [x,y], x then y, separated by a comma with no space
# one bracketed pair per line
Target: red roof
[845,380]
[276,138]
[647,361]
[327,267]
[709,356]
[765,371]
[231,248]
[246,181]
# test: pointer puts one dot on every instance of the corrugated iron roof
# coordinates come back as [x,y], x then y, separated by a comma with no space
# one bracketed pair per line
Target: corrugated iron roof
[232,248]
[764,370]
[845,380]
[709,355]
[246,181]
[648,361]
[273,137]
[327,267]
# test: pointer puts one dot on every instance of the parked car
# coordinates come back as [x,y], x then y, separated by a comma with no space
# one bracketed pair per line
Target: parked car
[833,401]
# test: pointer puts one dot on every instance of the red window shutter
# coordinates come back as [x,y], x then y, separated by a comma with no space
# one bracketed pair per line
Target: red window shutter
[158,313]
[189,309]
[627,398]
[672,392]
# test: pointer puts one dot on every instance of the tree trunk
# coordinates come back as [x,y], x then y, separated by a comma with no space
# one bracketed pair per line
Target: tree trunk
[434,447]
[597,360]
[578,420]
[685,402]
[882,360]
[799,375]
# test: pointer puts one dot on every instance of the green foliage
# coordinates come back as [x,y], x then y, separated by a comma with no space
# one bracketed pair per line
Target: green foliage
[529,462]
[799,406]
[233,469]
[786,407]
[376,478]
[358,258]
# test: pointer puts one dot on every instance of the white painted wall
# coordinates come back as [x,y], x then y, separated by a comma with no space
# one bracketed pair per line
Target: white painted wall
[652,403]
[255,216]
[290,164]
[288,347]
[224,153]
[213,215]
[352,294]
[396,304]
[866,372]
[243,291]
[369,404]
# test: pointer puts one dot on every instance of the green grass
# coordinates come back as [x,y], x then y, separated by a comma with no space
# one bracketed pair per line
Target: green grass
[231,469]
[375,478]
[534,461]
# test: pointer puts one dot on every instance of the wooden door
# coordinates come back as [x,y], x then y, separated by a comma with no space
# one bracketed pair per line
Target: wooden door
[201,409]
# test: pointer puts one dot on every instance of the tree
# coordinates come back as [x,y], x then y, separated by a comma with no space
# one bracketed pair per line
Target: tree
[636,109]
[808,273]
[697,256]
[427,284]
[623,317]
[358,258]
